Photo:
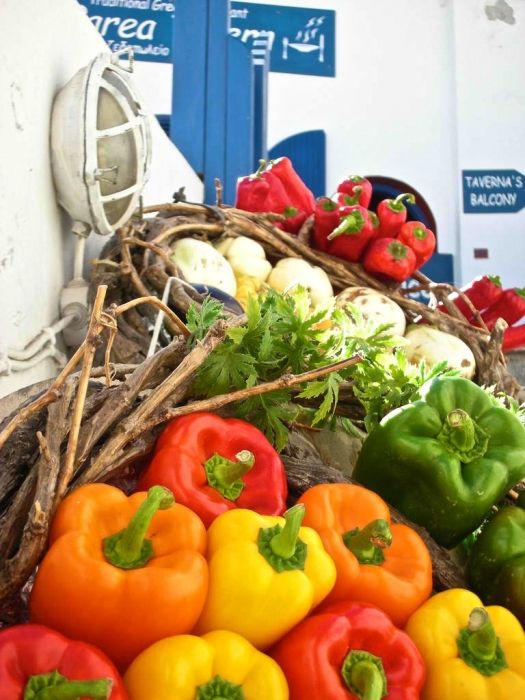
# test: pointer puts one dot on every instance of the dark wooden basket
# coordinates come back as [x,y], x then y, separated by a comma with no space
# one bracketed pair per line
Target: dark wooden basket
[100,423]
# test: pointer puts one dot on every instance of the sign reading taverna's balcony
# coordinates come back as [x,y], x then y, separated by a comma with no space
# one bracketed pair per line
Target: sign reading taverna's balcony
[493,191]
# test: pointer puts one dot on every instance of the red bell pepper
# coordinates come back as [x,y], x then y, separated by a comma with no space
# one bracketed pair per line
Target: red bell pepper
[421,239]
[355,190]
[350,651]
[326,219]
[293,221]
[213,464]
[37,663]
[514,338]
[482,292]
[299,196]
[355,231]
[277,188]
[261,192]
[392,215]
[510,306]
[391,258]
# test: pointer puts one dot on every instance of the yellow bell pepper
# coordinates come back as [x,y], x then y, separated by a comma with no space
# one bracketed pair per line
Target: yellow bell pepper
[247,287]
[471,652]
[266,574]
[218,665]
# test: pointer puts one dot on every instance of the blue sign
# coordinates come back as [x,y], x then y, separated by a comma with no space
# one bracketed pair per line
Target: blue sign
[301,40]
[493,191]
[145,25]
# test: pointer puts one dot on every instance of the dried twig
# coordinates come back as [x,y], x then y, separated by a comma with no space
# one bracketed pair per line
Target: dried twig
[187,228]
[16,567]
[216,402]
[44,400]
[95,327]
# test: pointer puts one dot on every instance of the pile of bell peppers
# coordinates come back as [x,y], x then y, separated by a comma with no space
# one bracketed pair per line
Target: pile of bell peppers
[384,242]
[487,296]
[200,596]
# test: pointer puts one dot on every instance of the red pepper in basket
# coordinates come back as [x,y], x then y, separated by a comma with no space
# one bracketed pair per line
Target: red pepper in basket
[38,663]
[261,192]
[391,258]
[392,215]
[293,221]
[421,239]
[277,188]
[326,219]
[355,190]
[350,651]
[482,292]
[514,338]
[299,196]
[213,464]
[353,234]
[510,306]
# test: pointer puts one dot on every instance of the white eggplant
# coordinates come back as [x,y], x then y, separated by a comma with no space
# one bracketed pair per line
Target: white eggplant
[375,307]
[432,345]
[199,262]
[246,256]
[293,272]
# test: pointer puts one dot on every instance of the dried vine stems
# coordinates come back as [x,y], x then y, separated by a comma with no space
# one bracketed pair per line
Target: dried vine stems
[98,443]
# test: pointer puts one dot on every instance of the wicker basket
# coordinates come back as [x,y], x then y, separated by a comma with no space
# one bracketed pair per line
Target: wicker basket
[100,423]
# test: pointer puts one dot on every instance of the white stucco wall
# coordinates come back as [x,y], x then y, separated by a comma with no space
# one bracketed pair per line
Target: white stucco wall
[490,76]
[43,45]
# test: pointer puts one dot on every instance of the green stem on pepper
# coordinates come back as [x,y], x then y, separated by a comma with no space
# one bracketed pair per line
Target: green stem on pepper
[364,675]
[129,549]
[479,646]
[367,544]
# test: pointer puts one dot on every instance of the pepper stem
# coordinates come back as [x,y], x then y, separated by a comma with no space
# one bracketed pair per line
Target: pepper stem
[219,689]
[397,204]
[225,476]
[283,544]
[261,168]
[479,646]
[397,250]
[462,436]
[54,686]
[351,199]
[350,224]
[364,675]
[129,549]
[419,233]
[367,544]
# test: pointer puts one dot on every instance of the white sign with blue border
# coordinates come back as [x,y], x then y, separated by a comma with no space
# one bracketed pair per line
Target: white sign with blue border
[493,191]
[301,40]
[144,25]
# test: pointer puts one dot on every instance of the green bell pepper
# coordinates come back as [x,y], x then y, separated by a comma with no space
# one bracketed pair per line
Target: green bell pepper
[446,458]
[496,565]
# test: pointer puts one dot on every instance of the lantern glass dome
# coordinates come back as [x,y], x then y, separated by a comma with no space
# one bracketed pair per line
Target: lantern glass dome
[100,145]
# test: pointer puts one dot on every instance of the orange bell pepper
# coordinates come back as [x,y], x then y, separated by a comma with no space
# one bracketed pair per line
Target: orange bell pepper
[120,575]
[386,565]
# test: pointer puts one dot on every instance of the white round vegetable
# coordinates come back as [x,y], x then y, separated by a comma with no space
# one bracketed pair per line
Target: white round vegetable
[241,245]
[375,307]
[293,272]
[199,262]
[246,256]
[433,346]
